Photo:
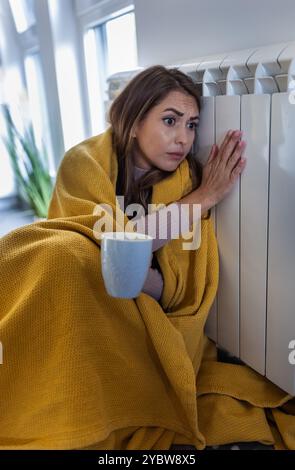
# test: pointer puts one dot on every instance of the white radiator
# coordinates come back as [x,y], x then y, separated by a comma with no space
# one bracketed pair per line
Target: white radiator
[253,316]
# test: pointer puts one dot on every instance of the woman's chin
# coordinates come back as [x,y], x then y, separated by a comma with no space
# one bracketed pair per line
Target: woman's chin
[172,166]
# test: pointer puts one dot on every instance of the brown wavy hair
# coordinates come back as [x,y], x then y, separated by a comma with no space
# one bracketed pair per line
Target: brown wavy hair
[147,89]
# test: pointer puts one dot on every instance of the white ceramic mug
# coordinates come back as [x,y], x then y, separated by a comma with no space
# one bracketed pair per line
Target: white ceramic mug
[125,261]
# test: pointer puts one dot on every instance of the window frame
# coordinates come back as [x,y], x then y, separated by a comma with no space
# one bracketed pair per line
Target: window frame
[102,12]
[28,13]
[96,18]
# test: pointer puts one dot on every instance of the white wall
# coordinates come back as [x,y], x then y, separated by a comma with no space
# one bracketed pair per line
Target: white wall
[46,48]
[83,5]
[68,70]
[169,31]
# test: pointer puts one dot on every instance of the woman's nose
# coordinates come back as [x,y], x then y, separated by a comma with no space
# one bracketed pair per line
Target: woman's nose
[181,136]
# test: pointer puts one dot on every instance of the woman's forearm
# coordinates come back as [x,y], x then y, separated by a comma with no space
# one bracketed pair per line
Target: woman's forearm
[163,225]
[166,224]
[198,196]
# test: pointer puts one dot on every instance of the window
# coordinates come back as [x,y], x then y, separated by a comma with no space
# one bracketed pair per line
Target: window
[23,14]
[7,184]
[10,86]
[109,48]
[37,105]
[121,44]
[95,79]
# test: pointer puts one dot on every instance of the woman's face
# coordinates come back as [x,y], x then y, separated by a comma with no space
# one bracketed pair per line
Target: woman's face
[167,129]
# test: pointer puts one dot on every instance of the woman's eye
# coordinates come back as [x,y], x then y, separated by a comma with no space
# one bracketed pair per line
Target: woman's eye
[169,119]
[194,124]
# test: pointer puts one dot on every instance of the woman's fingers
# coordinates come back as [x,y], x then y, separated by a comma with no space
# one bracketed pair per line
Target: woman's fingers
[229,147]
[229,142]
[238,168]
[213,153]
[226,140]
[224,165]
[236,155]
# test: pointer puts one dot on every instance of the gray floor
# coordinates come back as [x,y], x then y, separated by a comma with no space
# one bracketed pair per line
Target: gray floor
[14,218]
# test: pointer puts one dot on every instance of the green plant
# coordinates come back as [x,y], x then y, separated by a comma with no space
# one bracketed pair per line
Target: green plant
[29,164]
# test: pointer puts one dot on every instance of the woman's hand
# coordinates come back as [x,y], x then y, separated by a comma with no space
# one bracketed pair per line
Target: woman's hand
[223,167]
[220,173]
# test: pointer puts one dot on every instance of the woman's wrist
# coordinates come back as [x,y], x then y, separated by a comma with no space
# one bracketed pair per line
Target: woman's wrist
[206,201]
[198,196]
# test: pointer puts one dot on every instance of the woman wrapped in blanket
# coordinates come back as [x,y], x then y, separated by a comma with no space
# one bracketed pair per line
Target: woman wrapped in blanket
[84,370]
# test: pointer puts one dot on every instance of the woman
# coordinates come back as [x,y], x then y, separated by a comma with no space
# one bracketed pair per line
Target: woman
[83,370]
[153,133]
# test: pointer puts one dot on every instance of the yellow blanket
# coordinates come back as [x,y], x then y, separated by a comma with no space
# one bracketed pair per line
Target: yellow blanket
[84,370]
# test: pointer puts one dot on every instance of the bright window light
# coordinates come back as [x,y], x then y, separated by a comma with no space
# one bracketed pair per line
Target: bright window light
[37,106]
[94,82]
[10,87]
[69,94]
[109,48]
[121,44]
[33,85]
[7,183]
[23,14]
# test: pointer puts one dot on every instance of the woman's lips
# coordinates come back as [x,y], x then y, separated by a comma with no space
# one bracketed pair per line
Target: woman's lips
[176,156]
